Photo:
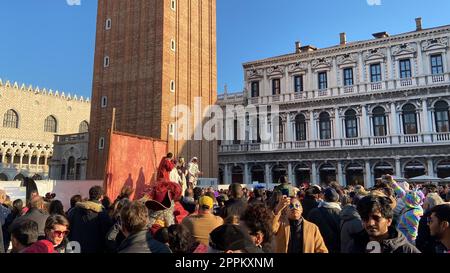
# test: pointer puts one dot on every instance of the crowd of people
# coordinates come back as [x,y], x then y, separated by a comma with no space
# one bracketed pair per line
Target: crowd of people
[390,217]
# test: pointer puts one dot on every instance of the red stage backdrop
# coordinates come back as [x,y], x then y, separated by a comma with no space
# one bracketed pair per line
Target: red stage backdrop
[132,161]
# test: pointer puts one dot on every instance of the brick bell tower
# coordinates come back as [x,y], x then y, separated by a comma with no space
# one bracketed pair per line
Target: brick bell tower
[151,55]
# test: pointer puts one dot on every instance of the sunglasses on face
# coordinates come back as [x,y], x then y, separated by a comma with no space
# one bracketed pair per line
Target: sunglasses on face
[294,206]
[60,233]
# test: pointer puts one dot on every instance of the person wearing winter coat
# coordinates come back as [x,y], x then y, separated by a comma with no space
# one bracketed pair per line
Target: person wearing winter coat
[2,248]
[310,201]
[35,213]
[425,242]
[327,218]
[294,234]
[351,225]
[134,225]
[379,236]
[90,222]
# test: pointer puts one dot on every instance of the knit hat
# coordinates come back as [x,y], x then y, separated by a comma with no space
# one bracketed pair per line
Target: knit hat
[43,246]
[206,201]
[330,195]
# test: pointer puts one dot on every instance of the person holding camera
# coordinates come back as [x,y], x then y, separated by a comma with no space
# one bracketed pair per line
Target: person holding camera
[294,234]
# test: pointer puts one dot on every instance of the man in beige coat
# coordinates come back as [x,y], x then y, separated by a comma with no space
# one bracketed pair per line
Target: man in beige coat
[293,234]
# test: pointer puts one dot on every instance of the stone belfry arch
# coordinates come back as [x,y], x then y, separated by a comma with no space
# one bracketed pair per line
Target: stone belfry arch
[151,55]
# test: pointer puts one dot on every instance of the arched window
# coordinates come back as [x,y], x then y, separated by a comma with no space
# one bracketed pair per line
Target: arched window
[409,119]
[441,113]
[11,119]
[351,125]
[325,126]
[300,127]
[84,127]
[379,122]
[50,124]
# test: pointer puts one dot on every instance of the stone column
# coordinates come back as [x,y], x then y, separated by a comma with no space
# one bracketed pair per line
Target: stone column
[286,86]
[337,125]
[430,167]
[247,177]
[425,122]
[268,176]
[365,127]
[398,168]
[288,129]
[390,77]
[420,64]
[264,92]
[291,174]
[312,129]
[394,123]
[314,174]
[368,175]
[362,78]
[20,164]
[340,174]
[226,174]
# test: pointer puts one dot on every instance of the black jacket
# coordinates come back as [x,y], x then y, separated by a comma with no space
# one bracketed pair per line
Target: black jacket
[2,250]
[328,220]
[89,223]
[308,203]
[397,243]
[142,242]
[234,206]
[350,224]
[425,242]
[114,238]
[36,215]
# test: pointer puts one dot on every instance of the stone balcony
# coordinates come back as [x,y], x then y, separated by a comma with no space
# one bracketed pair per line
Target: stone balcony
[361,88]
[72,138]
[367,142]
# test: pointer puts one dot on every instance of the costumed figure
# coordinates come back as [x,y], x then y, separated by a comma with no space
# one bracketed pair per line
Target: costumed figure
[165,167]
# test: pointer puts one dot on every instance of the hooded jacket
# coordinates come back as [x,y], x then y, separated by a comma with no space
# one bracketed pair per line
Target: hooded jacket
[89,224]
[351,224]
[409,219]
[396,243]
[327,218]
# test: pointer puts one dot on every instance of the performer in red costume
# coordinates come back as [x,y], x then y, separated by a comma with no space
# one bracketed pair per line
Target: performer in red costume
[165,167]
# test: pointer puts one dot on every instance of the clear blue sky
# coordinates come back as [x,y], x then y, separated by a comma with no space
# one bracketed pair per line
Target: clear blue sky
[51,44]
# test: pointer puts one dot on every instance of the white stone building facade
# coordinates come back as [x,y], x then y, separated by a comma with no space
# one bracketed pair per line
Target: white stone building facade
[31,117]
[349,113]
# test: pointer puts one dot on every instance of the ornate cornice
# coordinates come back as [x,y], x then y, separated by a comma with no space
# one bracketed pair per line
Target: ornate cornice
[436,43]
[351,47]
